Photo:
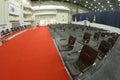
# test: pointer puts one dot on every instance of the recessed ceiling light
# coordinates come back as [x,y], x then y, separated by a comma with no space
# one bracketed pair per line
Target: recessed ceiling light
[94,0]
[95,7]
[85,5]
[75,1]
[118,0]
[89,7]
[112,8]
[86,1]
[110,5]
[67,0]
[98,9]
[99,3]
[91,4]
[102,6]
[108,1]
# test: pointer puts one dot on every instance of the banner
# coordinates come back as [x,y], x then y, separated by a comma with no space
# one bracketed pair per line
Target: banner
[14,10]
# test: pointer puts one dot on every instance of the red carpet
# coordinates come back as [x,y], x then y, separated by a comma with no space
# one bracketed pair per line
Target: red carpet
[31,56]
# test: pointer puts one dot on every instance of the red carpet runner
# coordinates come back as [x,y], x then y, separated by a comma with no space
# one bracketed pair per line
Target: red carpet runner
[31,56]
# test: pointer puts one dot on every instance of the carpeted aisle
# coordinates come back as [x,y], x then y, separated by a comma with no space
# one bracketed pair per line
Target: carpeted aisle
[31,56]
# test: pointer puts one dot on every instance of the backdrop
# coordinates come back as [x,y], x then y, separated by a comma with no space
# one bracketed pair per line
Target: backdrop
[108,17]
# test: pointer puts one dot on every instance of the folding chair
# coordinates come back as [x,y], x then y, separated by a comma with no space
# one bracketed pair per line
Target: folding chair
[3,33]
[96,36]
[69,45]
[111,41]
[85,61]
[103,49]
[86,37]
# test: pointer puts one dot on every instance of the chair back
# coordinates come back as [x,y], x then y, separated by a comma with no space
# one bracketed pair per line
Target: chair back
[71,40]
[111,41]
[88,55]
[86,37]
[96,35]
[104,46]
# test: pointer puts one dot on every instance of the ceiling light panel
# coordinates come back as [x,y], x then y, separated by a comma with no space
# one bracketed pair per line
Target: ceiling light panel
[108,2]
[86,1]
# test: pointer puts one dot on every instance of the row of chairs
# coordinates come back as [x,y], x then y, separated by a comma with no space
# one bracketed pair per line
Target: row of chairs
[73,27]
[88,54]
[87,57]
[12,30]
[9,32]
[85,40]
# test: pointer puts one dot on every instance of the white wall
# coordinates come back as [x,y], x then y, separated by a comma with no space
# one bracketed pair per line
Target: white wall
[62,17]
[4,14]
[51,16]
[73,8]
[47,19]
[4,11]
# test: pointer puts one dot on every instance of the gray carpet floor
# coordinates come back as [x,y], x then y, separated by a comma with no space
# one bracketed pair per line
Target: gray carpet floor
[106,69]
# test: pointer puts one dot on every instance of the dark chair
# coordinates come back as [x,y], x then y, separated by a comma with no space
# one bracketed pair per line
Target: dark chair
[86,59]
[69,45]
[111,41]
[86,37]
[105,34]
[96,36]
[18,28]
[7,31]
[13,29]
[115,36]
[26,26]
[74,29]
[103,48]
[3,33]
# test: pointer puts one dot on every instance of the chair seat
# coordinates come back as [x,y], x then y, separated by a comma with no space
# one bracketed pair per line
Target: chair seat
[65,48]
[81,65]
[72,67]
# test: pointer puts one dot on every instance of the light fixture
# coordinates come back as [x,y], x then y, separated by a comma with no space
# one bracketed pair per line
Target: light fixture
[98,9]
[75,1]
[99,3]
[85,5]
[102,6]
[67,0]
[89,7]
[111,8]
[118,0]
[95,7]
[110,5]
[108,1]
[91,4]
[94,0]
[86,2]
